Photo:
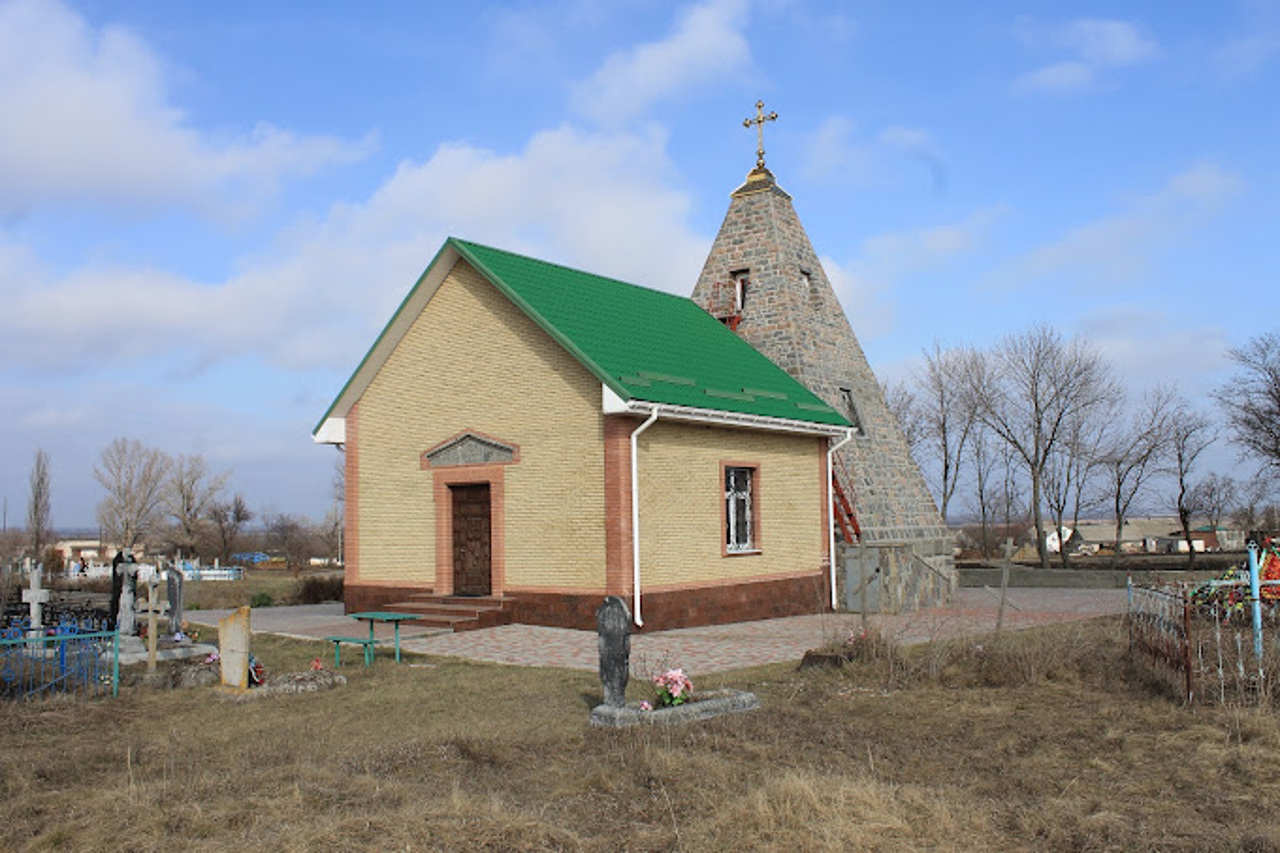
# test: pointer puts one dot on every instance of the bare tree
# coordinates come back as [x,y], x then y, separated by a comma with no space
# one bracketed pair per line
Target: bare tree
[1215,495]
[134,477]
[339,511]
[292,537]
[39,529]
[1071,468]
[982,458]
[1134,456]
[189,494]
[1028,389]
[229,518]
[330,533]
[1251,400]
[905,409]
[1250,511]
[947,411]
[1190,434]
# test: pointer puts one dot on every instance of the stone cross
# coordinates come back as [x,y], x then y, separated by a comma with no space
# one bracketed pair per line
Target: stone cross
[613,627]
[153,608]
[35,597]
[759,121]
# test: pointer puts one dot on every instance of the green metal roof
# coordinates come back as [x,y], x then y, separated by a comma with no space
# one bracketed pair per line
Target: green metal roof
[645,344]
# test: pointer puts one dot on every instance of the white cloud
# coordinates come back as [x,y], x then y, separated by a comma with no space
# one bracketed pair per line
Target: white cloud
[832,151]
[88,121]
[1108,43]
[706,45]
[1096,45]
[1059,77]
[1151,346]
[590,200]
[1118,249]
[835,151]
[865,283]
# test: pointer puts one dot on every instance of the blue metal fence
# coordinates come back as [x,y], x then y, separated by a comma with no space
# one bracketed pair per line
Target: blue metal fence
[62,660]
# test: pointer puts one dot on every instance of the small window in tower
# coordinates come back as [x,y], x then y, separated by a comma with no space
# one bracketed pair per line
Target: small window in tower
[741,281]
[811,288]
[851,410]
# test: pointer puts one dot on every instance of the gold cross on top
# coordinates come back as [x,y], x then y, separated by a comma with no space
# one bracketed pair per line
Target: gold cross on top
[759,121]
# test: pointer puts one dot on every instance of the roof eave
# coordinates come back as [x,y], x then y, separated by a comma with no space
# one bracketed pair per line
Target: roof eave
[390,336]
[615,405]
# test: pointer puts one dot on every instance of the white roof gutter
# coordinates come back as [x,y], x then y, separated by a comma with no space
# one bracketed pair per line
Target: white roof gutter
[615,405]
[831,512]
[635,516]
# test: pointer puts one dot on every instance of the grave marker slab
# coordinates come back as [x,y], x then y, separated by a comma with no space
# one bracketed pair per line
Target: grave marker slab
[127,616]
[613,629]
[233,649]
[175,580]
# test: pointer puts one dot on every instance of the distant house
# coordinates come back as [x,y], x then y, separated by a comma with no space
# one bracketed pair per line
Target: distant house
[1054,539]
[1139,534]
[537,437]
[1176,543]
[1220,538]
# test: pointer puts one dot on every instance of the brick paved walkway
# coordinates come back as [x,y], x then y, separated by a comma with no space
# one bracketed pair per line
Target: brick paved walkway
[715,648]
[718,648]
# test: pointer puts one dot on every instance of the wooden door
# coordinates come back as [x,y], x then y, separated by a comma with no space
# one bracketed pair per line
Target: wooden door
[471,539]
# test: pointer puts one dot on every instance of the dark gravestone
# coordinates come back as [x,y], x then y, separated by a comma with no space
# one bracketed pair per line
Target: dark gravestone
[613,627]
[176,615]
[117,585]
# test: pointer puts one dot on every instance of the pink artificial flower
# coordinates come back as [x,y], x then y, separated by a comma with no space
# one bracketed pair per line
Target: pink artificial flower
[645,706]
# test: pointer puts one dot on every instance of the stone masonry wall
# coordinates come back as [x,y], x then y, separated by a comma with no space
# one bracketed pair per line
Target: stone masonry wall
[792,315]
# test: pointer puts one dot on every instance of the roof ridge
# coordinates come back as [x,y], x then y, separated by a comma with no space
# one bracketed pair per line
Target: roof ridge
[567,268]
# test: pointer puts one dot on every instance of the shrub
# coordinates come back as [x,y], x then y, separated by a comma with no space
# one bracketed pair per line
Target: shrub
[261,599]
[317,590]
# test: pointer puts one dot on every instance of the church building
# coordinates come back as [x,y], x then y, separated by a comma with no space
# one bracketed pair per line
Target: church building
[524,438]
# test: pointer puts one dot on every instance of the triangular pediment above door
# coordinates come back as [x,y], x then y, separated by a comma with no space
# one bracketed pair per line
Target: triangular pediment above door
[470,448]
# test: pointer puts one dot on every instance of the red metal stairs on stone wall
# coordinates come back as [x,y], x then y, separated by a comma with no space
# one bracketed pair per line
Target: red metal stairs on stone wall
[843,508]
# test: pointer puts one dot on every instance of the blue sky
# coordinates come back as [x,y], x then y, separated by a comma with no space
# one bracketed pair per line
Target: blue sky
[208,211]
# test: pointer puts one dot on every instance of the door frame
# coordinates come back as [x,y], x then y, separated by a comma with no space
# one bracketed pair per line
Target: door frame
[462,475]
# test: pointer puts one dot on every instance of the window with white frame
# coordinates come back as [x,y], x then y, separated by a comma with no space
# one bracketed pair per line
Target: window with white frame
[741,280]
[740,532]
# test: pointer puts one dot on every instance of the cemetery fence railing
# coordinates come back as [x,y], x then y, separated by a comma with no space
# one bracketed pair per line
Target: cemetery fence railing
[65,659]
[1197,632]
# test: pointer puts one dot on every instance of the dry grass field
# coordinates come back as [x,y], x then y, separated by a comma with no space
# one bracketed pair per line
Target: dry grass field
[1042,740]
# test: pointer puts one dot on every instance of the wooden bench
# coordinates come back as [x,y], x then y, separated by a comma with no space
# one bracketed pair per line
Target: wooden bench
[366,642]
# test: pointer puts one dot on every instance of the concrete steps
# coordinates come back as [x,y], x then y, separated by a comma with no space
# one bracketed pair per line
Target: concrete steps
[456,612]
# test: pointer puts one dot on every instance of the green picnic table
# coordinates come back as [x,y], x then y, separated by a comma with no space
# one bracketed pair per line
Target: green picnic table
[375,616]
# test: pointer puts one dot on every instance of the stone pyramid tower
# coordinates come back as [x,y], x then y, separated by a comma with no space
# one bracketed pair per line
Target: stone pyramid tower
[763,279]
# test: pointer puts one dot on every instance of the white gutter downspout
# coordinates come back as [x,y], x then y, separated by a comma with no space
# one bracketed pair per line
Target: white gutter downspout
[831,512]
[635,517]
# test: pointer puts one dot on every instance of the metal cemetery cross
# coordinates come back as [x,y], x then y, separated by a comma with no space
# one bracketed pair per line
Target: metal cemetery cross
[759,121]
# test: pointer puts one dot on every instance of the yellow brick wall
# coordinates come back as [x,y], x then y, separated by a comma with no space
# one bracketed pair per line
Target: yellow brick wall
[473,361]
[681,497]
